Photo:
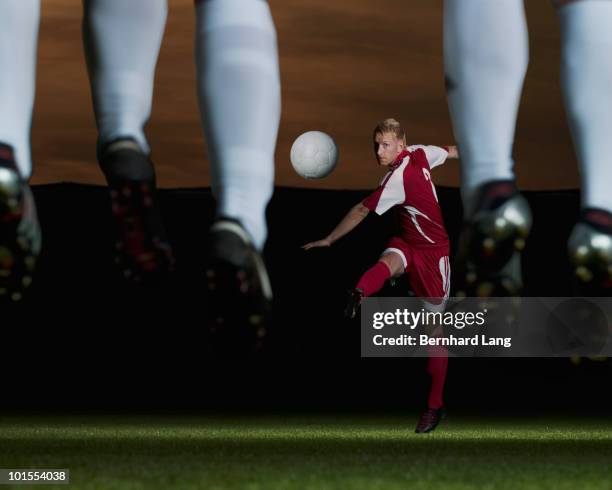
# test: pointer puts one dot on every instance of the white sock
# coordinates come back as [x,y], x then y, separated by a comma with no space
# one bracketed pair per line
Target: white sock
[122,40]
[239,93]
[485,57]
[18,42]
[586,76]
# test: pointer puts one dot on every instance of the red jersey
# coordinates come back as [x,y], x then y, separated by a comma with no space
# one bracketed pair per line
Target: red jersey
[408,184]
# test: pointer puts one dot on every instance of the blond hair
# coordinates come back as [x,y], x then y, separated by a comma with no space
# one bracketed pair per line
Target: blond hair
[390,126]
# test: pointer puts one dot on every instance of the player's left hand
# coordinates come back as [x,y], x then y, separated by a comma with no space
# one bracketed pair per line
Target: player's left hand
[319,243]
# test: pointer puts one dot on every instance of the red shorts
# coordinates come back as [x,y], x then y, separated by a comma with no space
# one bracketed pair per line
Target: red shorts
[428,269]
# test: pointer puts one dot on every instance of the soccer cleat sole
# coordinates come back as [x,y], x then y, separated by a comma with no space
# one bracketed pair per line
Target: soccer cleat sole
[140,255]
[590,253]
[238,313]
[20,237]
[490,250]
[240,294]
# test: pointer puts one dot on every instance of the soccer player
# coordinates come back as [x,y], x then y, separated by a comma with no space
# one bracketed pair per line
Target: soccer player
[485,68]
[20,237]
[422,249]
[238,84]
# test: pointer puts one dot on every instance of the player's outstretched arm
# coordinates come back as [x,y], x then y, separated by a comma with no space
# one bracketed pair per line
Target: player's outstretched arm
[350,221]
[437,155]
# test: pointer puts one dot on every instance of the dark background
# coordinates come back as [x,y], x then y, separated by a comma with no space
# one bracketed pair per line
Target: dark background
[81,339]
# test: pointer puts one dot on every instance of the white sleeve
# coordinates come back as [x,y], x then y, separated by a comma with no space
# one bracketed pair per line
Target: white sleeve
[392,194]
[388,194]
[435,155]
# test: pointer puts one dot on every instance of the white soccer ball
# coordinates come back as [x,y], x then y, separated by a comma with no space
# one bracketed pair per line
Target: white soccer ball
[314,155]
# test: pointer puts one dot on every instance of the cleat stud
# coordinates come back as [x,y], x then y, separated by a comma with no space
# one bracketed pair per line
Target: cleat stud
[519,244]
[488,244]
[581,253]
[583,274]
[471,277]
[23,243]
[30,262]
[500,225]
[6,258]
[26,281]
[508,285]
[484,290]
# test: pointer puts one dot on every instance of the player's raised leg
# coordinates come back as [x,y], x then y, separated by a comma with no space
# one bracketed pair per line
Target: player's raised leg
[239,92]
[20,238]
[586,76]
[122,41]
[485,67]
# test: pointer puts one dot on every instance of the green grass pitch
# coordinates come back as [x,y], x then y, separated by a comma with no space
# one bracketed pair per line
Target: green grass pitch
[310,452]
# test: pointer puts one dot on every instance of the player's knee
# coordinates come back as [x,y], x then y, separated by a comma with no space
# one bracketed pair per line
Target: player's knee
[394,263]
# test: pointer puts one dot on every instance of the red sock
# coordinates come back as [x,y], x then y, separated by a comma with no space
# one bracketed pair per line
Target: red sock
[437,364]
[374,279]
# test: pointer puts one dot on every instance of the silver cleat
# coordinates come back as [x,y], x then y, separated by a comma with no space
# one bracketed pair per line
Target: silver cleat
[240,293]
[20,235]
[590,252]
[490,246]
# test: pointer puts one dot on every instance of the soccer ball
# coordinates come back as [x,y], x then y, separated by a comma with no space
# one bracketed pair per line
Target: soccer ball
[314,155]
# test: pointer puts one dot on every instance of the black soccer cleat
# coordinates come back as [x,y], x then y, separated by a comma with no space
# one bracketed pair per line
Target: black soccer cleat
[355,297]
[590,252]
[488,259]
[429,420]
[20,234]
[239,287]
[142,250]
